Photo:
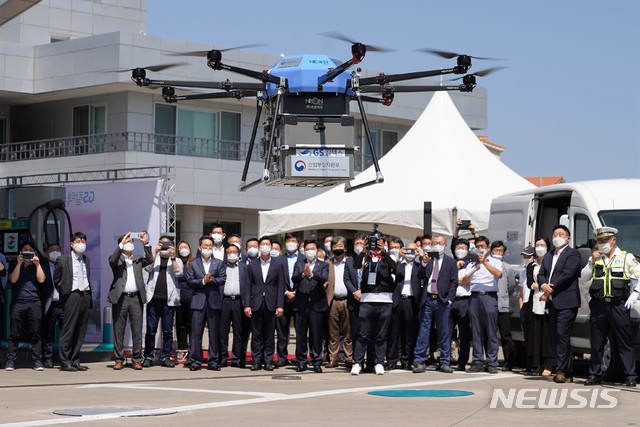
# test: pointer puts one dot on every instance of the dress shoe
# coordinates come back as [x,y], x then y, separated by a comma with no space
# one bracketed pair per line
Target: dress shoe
[492,369]
[118,365]
[476,367]
[461,369]
[419,368]
[137,365]
[593,380]
[48,364]
[268,367]
[317,369]
[80,367]
[507,367]
[446,369]
[168,363]
[332,364]
[630,382]
[256,367]
[213,367]
[301,368]
[69,368]
[560,377]
[146,363]
[194,367]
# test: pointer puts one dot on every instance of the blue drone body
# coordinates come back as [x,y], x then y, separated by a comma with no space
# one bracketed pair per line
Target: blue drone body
[302,73]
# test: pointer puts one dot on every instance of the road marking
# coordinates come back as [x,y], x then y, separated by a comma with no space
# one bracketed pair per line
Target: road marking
[271,397]
[183,390]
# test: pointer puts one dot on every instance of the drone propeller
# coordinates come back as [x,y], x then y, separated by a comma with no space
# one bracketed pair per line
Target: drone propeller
[480,73]
[205,52]
[451,55]
[338,36]
[154,68]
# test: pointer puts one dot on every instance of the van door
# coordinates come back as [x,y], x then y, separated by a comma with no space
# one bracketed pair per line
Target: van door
[511,221]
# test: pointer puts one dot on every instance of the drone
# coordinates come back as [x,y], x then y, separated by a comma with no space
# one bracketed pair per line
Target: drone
[301,95]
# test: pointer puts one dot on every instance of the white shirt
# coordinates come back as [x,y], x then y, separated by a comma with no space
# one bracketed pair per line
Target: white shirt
[340,289]
[292,258]
[523,283]
[218,253]
[232,284]
[482,280]
[130,286]
[264,265]
[406,285]
[79,271]
[556,255]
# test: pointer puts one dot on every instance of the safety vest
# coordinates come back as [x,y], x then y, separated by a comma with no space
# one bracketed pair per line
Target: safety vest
[610,281]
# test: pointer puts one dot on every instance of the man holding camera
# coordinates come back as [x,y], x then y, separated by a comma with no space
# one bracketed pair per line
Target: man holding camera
[163,297]
[376,302]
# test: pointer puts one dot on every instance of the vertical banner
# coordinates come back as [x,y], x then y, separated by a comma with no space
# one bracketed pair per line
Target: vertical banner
[104,212]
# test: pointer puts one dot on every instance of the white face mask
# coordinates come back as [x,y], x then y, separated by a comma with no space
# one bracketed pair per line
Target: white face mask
[426,249]
[274,253]
[358,249]
[497,256]
[217,238]
[438,248]
[327,246]
[184,252]
[206,252]
[291,247]
[80,247]
[394,252]
[129,247]
[265,249]
[252,252]
[232,258]
[605,248]
[461,253]
[559,242]
[410,257]
[541,251]
[54,255]
[311,254]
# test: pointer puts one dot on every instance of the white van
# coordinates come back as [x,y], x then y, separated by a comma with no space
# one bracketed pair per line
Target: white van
[519,218]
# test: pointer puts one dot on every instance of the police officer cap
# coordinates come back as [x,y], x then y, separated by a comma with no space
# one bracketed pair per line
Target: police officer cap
[605,232]
[528,251]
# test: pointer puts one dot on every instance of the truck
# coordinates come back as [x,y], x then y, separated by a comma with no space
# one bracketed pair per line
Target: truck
[519,218]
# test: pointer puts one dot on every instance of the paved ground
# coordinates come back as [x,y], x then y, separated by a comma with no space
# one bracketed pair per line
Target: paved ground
[235,396]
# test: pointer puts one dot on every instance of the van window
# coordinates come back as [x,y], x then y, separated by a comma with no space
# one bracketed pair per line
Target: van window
[626,221]
[582,232]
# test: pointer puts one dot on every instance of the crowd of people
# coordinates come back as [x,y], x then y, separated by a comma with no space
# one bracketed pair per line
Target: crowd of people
[387,305]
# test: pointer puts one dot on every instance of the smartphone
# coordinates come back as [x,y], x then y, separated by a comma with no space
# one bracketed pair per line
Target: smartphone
[166,245]
[464,224]
[27,255]
[135,235]
[434,254]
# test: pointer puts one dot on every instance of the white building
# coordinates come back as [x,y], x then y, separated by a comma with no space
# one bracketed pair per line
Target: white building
[63,109]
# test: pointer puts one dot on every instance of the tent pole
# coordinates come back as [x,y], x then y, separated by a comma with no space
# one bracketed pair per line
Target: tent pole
[427,217]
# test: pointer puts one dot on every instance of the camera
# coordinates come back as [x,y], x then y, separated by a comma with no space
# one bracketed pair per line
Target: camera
[27,255]
[373,238]
[135,235]
[464,224]
[166,245]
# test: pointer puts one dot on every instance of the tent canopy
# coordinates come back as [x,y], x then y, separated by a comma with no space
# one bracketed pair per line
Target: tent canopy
[439,160]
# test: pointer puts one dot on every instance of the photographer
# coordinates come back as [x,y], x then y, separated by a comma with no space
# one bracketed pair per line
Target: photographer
[375,302]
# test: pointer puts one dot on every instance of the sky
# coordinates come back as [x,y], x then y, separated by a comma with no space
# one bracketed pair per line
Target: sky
[567,105]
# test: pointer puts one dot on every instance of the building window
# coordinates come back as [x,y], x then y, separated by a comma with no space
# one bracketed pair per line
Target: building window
[230,135]
[197,131]
[55,38]
[4,130]
[165,129]
[89,127]
[383,141]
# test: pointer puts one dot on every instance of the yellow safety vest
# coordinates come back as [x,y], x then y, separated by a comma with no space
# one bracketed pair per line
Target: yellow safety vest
[610,281]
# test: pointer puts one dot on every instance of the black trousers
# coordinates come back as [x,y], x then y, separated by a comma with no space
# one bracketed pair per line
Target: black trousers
[231,316]
[504,327]
[53,316]
[263,327]
[183,324]
[127,307]
[459,316]
[402,333]
[74,327]
[26,322]
[309,324]
[283,327]
[561,322]
[198,318]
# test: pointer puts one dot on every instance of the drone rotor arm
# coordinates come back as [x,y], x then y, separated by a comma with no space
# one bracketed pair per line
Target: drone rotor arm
[389,78]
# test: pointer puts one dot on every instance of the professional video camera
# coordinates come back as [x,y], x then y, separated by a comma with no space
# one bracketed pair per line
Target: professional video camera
[373,238]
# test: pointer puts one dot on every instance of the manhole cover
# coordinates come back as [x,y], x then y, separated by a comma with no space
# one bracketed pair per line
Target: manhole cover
[137,411]
[420,393]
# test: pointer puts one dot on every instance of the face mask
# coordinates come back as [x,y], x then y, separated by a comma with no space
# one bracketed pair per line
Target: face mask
[410,257]
[232,258]
[265,249]
[291,247]
[217,238]
[252,252]
[358,249]
[394,252]
[541,251]
[184,252]
[311,254]
[80,247]
[559,242]
[164,254]
[54,255]
[497,257]
[461,253]
[605,248]
[426,249]
[438,248]
[472,246]
[128,247]
[327,246]
[274,253]
[338,252]
[206,252]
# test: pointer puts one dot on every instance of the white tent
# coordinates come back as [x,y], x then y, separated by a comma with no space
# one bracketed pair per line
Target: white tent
[439,160]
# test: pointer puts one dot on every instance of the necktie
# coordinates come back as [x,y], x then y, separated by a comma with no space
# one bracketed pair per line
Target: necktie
[81,275]
[433,288]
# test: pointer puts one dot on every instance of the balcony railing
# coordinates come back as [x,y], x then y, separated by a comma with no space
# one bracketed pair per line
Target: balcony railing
[135,141]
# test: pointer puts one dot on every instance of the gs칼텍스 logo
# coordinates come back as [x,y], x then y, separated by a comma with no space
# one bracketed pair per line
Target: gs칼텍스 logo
[300,165]
[305,153]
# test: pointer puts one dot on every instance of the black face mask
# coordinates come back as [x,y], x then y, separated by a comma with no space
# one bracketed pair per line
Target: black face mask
[338,252]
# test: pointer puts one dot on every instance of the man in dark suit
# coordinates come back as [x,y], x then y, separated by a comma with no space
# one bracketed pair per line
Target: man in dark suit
[404,312]
[72,279]
[53,313]
[558,279]
[283,323]
[206,276]
[440,275]
[128,295]
[263,301]
[232,309]
[310,305]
